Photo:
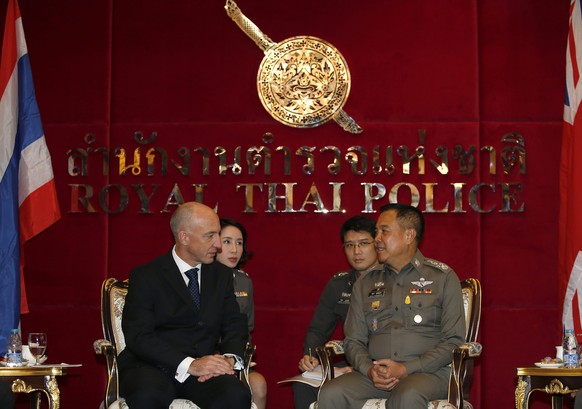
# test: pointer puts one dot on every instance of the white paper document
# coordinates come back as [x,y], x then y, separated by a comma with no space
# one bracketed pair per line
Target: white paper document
[315,374]
[312,378]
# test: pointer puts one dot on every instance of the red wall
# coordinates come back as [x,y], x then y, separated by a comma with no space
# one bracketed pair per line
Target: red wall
[466,71]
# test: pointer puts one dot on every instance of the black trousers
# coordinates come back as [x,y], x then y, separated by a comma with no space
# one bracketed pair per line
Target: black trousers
[148,387]
[304,395]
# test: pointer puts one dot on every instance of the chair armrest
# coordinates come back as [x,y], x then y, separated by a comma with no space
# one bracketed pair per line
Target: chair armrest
[326,355]
[336,346]
[106,348]
[462,371]
[247,358]
[101,346]
[474,348]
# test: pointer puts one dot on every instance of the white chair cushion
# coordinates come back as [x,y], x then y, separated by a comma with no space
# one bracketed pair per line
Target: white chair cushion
[375,404]
[435,404]
[183,404]
[443,404]
[381,404]
[176,404]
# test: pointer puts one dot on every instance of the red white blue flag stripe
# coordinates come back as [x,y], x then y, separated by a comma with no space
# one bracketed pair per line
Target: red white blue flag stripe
[570,222]
[28,202]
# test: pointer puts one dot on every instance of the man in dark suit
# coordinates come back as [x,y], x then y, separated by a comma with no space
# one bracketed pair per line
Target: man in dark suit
[170,340]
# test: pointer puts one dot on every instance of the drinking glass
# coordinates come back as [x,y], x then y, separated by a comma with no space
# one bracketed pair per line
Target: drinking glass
[37,345]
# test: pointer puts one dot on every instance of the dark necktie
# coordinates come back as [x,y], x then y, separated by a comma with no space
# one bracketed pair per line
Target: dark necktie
[193,285]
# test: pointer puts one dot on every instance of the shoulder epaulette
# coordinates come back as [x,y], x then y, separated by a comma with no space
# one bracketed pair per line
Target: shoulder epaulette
[243,272]
[437,264]
[341,274]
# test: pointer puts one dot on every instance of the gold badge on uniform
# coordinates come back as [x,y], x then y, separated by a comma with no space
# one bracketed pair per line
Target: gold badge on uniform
[376,304]
[407,300]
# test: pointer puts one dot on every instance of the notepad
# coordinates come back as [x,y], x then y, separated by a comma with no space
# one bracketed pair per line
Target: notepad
[312,378]
[315,374]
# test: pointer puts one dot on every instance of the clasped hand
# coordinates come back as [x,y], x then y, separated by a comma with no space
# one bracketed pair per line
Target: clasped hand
[210,366]
[386,373]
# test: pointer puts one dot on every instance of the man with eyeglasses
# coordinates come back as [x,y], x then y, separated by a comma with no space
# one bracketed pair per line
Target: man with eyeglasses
[357,236]
[403,323]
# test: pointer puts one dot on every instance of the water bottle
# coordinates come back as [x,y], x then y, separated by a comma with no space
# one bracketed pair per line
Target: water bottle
[14,355]
[570,345]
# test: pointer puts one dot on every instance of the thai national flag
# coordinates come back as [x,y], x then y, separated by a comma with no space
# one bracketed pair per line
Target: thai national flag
[28,200]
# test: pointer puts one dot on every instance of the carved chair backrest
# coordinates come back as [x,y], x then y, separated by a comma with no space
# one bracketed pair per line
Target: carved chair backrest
[112,302]
[471,289]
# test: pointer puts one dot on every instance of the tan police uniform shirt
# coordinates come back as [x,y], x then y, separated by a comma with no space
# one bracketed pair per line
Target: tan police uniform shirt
[415,317]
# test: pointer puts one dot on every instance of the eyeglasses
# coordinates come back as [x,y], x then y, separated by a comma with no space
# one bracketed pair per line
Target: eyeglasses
[360,244]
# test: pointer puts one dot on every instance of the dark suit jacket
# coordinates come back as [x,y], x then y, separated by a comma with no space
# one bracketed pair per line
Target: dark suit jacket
[162,325]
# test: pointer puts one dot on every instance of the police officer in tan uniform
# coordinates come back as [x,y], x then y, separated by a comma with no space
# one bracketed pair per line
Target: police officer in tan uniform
[357,237]
[403,323]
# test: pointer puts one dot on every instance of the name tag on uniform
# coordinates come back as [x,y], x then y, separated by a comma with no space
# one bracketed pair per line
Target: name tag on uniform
[377,292]
[345,298]
[241,294]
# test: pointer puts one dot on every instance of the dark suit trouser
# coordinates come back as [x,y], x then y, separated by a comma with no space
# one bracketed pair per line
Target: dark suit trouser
[148,387]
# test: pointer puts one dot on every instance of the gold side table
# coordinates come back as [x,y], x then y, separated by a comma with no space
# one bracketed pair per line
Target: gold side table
[556,382]
[36,379]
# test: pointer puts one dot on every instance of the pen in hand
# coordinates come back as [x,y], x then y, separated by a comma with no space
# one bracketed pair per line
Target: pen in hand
[308,361]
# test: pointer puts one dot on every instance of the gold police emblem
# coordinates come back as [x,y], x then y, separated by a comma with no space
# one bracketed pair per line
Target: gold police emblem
[302,81]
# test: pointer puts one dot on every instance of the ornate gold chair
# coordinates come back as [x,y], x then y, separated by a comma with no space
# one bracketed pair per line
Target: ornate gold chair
[113,294]
[462,359]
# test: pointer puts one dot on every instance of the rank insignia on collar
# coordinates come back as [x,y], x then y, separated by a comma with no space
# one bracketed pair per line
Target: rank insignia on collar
[421,283]
[379,284]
